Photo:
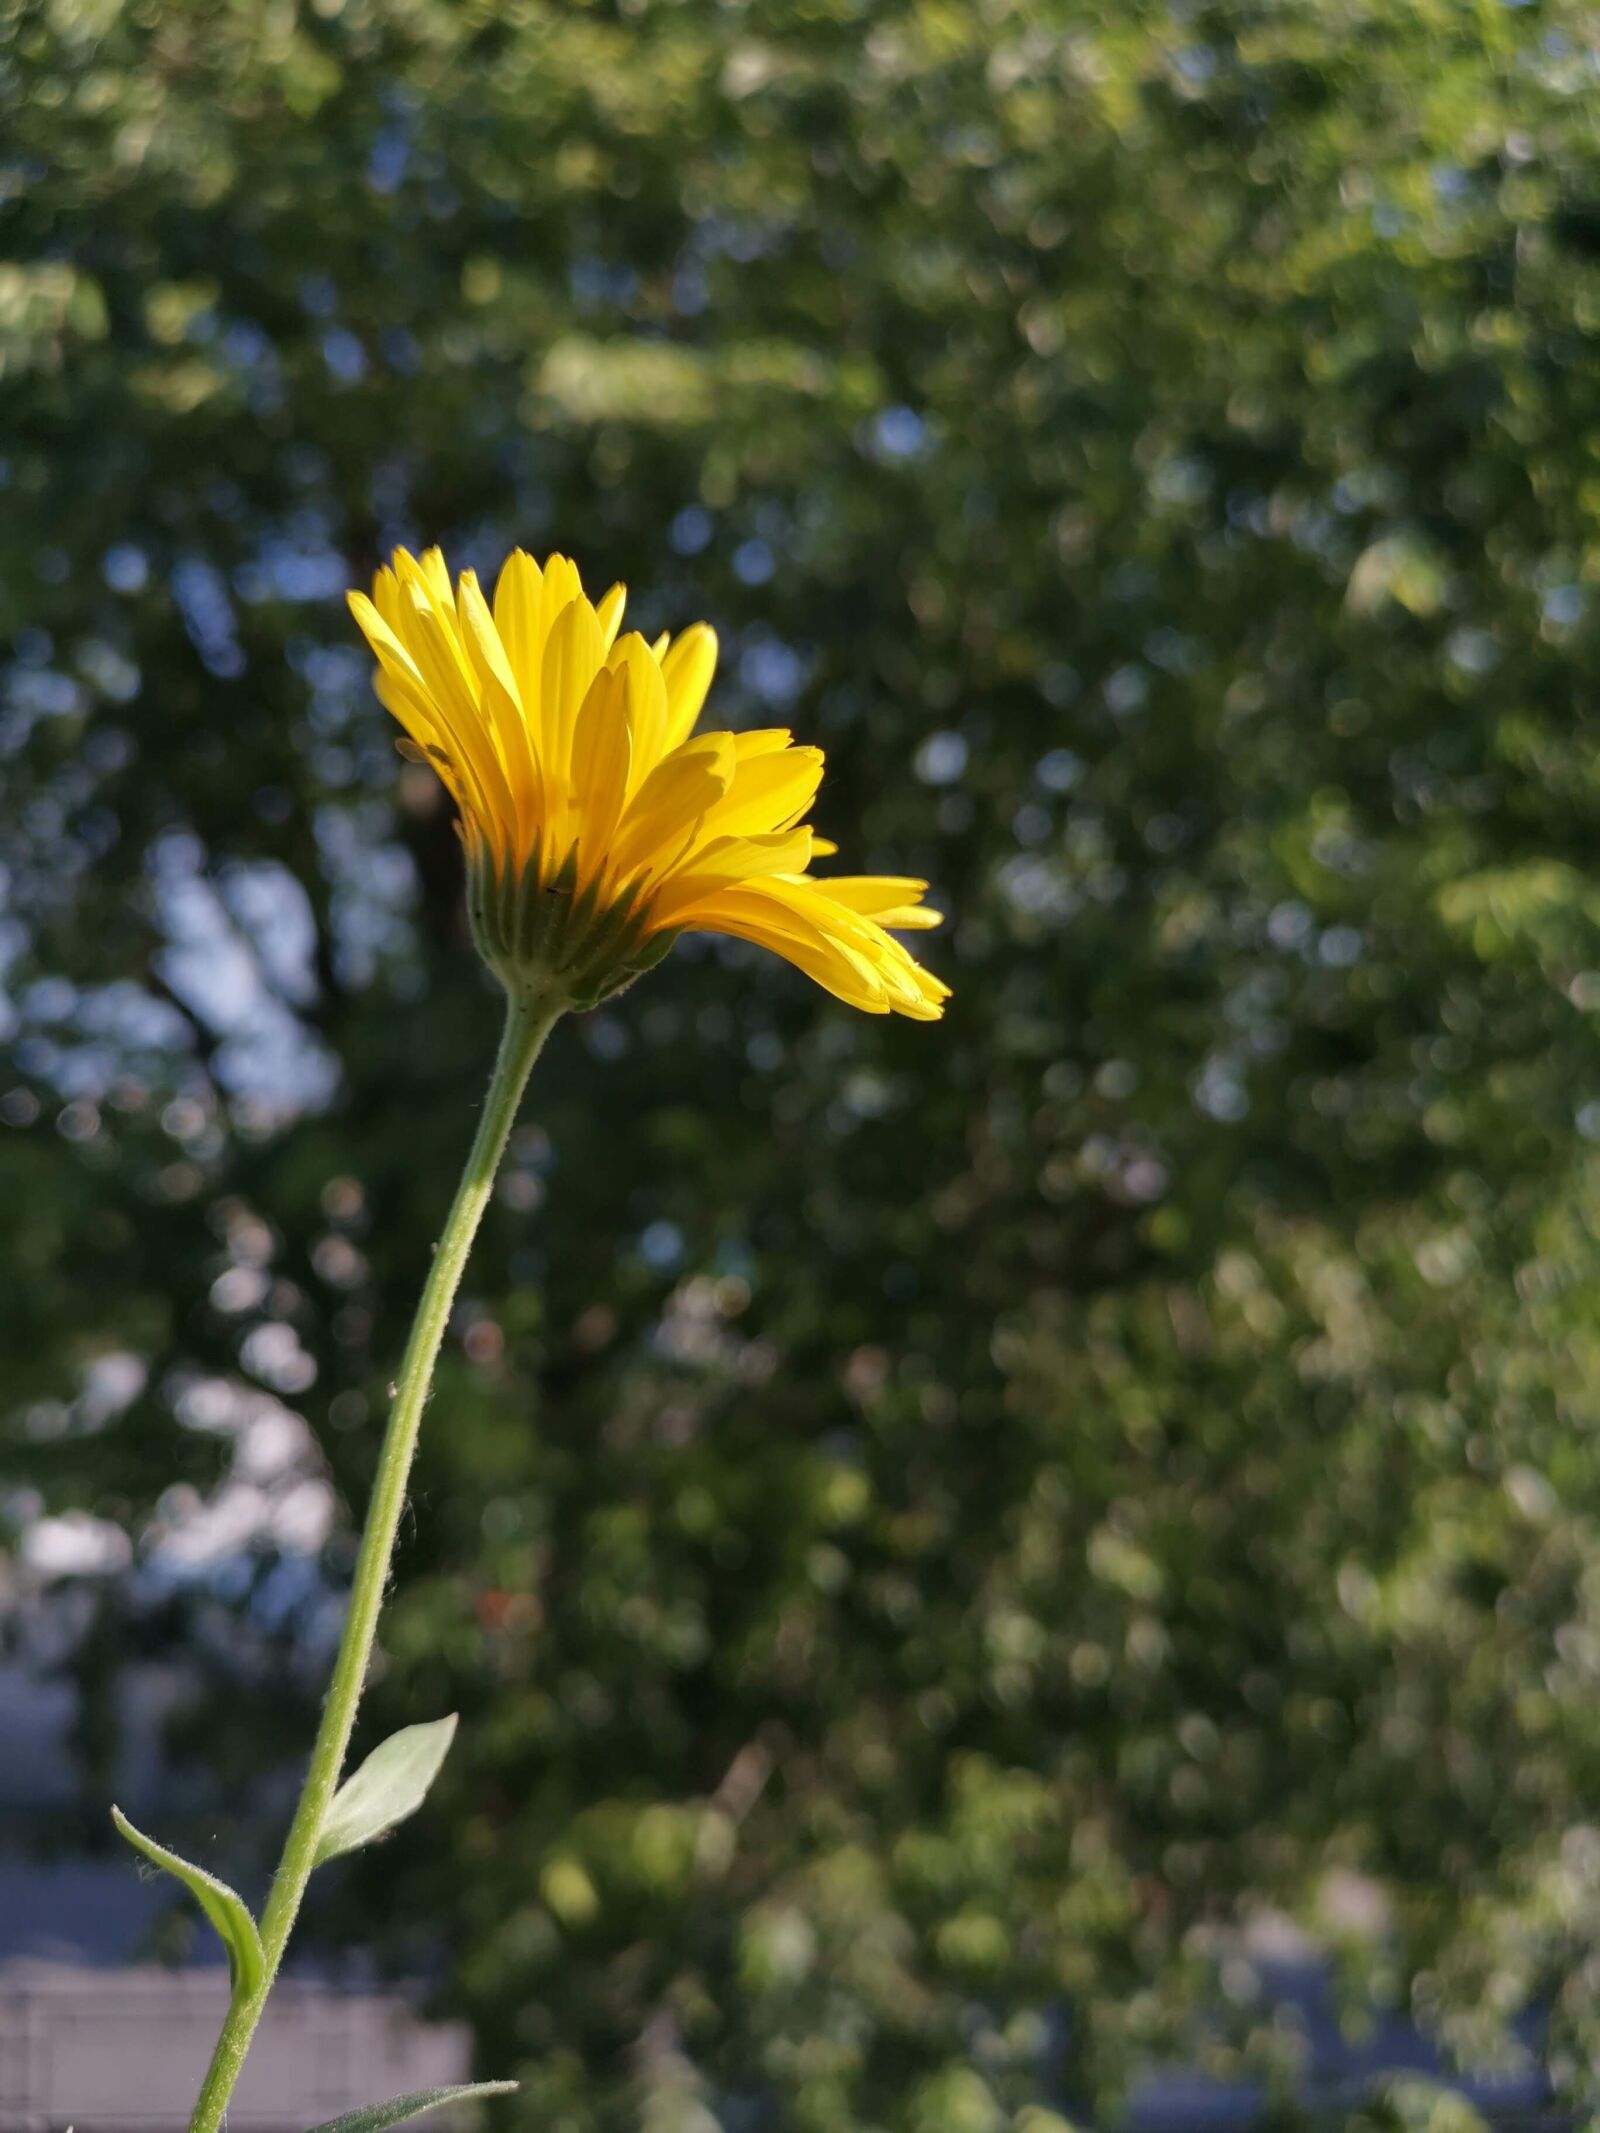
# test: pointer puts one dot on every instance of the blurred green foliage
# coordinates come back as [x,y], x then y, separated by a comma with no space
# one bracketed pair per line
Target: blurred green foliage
[933,1533]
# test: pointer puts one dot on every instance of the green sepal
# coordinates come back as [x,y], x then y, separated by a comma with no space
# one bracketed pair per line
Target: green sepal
[654,950]
[373,2117]
[391,1784]
[597,948]
[544,936]
[225,1908]
[622,974]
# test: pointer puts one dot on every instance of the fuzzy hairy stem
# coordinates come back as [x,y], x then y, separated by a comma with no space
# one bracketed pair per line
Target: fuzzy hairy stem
[528,1023]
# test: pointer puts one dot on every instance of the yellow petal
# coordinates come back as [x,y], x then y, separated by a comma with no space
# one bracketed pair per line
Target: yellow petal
[687,667]
[892,900]
[386,596]
[453,692]
[481,638]
[572,656]
[647,705]
[451,745]
[601,753]
[761,740]
[439,657]
[436,572]
[768,792]
[517,611]
[845,972]
[662,816]
[423,736]
[379,633]
[723,864]
[609,612]
[877,957]
[420,594]
[562,585]
[500,705]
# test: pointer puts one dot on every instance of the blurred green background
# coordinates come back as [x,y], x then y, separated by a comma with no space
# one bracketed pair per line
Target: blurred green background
[946,1541]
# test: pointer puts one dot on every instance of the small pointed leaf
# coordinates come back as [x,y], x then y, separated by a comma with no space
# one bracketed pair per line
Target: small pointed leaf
[225,1909]
[374,2117]
[391,1784]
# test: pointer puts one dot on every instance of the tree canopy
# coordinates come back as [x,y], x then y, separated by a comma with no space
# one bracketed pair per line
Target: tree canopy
[939,1537]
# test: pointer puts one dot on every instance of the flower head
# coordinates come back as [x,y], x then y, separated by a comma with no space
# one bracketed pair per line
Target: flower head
[598,824]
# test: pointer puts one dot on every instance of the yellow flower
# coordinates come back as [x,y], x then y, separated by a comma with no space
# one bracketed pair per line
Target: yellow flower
[598,824]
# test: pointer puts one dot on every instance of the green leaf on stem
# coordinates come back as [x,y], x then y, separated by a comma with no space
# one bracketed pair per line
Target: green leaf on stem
[373,2117]
[391,1784]
[222,1905]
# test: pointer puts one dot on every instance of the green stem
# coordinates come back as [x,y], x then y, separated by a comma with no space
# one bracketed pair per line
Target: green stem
[528,1023]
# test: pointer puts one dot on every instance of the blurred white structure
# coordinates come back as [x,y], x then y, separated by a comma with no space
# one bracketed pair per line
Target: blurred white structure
[95,2036]
[123,2051]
